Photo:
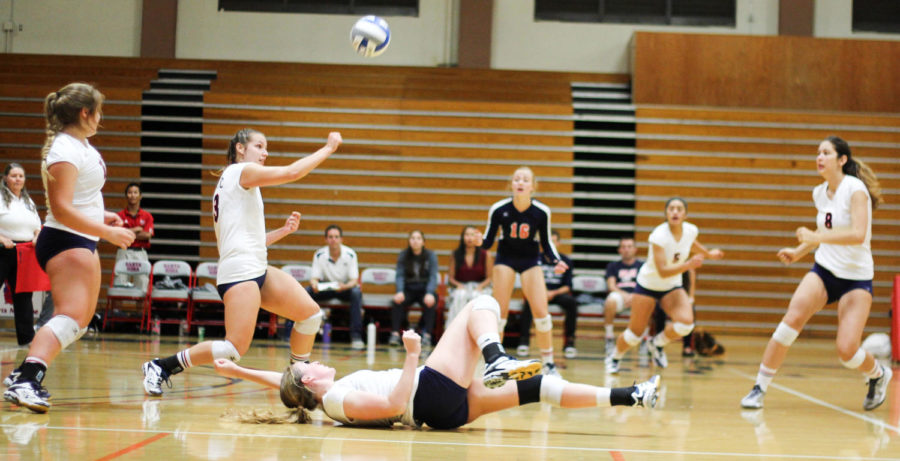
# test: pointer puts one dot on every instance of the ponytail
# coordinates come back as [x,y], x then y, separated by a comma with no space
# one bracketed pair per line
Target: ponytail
[858,169]
[241,137]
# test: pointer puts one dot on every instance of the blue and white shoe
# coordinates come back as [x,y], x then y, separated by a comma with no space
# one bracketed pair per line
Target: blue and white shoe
[507,368]
[646,393]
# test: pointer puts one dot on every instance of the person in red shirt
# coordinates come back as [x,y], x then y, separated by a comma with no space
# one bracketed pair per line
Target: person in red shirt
[140,222]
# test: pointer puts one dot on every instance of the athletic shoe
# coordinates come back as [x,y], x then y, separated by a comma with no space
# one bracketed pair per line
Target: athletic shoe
[877,389]
[14,375]
[612,365]
[645,393]
[570,352]
[154,376]
[522,350]
[357,344]
[754,400]
[549,369]
[394,340]
[506,368]
[27,394]
[659,356]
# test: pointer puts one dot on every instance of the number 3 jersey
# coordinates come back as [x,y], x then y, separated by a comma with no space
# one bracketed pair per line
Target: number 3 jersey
[519,230]
[240,228]
[852,262]
[676,252]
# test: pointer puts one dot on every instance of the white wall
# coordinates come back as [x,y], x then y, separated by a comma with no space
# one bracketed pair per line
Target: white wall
[519,42]
[91,27]
[204,32]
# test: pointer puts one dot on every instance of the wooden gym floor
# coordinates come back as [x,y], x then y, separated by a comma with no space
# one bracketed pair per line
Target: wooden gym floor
[813,411]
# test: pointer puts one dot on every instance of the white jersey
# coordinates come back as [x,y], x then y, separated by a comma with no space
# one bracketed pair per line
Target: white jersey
[852,262]
[375,382]
[19,220]
[86,196]
[677,252]
[240,228]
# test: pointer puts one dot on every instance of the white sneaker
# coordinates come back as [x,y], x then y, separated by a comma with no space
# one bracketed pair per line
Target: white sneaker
[878,389]
[754,400]
[659,356]
[570,352]
[522,350]
[612,365]
[9,380]
[506,368]
[550,369]
[357,345]
[27,394]
[645,393]
[154,376]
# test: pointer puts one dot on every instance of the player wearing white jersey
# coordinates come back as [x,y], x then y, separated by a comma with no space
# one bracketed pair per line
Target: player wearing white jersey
[842,272]
[245,280]
[659,280]
[443,393]
[66,248]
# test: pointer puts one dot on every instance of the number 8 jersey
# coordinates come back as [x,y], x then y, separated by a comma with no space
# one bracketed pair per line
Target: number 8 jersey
[851,262]
[240,228]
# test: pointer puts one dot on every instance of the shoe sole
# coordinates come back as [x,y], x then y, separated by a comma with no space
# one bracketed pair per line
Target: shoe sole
[14,399]
[518,374]
[751,407]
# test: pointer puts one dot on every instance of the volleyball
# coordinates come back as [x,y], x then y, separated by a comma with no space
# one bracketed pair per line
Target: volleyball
[370,36]
[879,345]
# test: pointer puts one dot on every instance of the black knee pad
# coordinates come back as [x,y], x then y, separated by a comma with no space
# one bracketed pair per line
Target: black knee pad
[529,390]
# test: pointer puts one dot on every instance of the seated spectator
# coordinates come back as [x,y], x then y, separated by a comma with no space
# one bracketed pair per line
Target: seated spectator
[140,222]
[417,281]
[559,291]
[469,272]
[335,274]
[621,279]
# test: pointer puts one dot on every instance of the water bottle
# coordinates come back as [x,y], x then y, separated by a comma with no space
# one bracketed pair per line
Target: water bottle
[201,334]
[182,329]
[155,326]
[326,333]
[370,343]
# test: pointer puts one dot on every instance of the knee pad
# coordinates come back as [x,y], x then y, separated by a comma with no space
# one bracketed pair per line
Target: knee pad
[225,350]
[552,389]
[310,326]
[543,324]
[66,329]
[630,338]
[501,325]
[856,360]
[683,329]
[619,301]
[486,303]
[784,334]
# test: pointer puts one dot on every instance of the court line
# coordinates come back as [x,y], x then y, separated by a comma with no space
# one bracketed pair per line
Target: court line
[133,447]
[461,444]
[823,403]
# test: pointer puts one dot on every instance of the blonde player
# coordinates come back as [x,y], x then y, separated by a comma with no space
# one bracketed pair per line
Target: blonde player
[659,280]
[842,272]
[245,280]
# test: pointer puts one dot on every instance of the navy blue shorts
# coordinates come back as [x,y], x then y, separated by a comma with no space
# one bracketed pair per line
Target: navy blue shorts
[52,241]
[838,287]
[226,286]
[657,295]
[518,264]
[439,402]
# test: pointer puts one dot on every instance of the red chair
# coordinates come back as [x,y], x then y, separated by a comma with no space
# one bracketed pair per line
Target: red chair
[138,295]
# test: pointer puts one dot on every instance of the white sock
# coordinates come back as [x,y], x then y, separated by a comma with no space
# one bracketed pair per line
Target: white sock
[875,373]
[487,338]
[184,359]
[603,397]
[610,334]
[299,357]
[661,340]
[547,355]
[764,377]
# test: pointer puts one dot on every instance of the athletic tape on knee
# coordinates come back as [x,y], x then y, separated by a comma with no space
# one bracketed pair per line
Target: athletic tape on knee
[617,298]
[856,360]
[683,329]
[630,338]
[543,324]
[225,350]
[310,326]
[784,334]
[66,329]
[552,389]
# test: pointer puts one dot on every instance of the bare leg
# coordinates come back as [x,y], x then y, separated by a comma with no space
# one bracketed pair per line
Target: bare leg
[535,290]
[282,295]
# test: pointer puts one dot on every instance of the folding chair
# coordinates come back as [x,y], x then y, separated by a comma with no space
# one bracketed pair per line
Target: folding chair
[138,295]
[169,287]
[203,295]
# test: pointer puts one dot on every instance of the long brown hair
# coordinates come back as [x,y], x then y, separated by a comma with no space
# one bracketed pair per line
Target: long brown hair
[294,395]
[858,169]
[63,108]
[242,137]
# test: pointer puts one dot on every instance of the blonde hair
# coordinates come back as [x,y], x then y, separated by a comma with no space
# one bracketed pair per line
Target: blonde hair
[858,169]
[534,182]
[294,394]
[63,108]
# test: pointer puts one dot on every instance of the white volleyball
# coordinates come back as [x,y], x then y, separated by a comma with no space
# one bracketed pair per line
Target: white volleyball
[370,36]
